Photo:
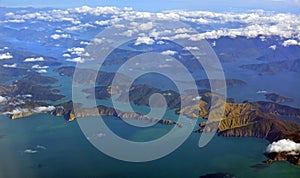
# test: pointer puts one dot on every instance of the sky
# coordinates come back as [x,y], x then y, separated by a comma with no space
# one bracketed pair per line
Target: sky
[159,5]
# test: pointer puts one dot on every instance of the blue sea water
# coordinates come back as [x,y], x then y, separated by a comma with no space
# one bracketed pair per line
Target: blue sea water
[68,153]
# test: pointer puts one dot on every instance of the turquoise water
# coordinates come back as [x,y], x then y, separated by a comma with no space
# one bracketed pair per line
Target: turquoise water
[69,154]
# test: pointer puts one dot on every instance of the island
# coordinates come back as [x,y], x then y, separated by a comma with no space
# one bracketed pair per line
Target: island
[277,98]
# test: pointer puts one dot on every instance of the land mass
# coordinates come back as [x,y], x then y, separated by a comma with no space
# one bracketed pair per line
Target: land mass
[277,98]
[32,84]
[67,111]
[275,67]
[219,84]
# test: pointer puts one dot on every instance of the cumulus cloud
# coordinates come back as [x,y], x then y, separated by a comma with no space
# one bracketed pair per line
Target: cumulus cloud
[261,92]
[59,36]
[287,43]
[96,11]
[191,48]
[16,21]
[32,59]
[2,99]
[17,111]
[78,53]
[10,65]
[77,60]
[66,55]
[144,40]
[284,145]
[43,109]
[24,96]
[5,56]
[102,22]
[145,26]
[40,109]
[76,50]
[250,24]
[42,71]
[273,47]
[169,52]
[197,98]
[39,67]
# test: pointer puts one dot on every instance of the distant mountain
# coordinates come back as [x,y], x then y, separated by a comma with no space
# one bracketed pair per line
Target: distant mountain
[275,67]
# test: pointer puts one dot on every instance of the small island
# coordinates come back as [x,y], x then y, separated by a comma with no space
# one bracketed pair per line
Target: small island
[277,98]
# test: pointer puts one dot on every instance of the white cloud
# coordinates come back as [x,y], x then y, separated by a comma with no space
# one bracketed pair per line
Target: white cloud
[4,48]
[284,145]
[5,56]
[183,30]
[96,11]
[66,55]
[144,40]
[37,59]
[77,59]
[10,65]
[250,24]
[273,47]
[287,43]
[42,71]
[76,50]
[43,109]
[17,111]
[9,14]
[2,99]
[84,43]
[80,27]
[197,98]
[98,40]
[79,52]
[102,22]
[191,48]
[39,67]
[59,36]
[214,43]
[25,96]
[169,52]
[16,21]
[145,26]
[262,92]
[30,151]
[160,42]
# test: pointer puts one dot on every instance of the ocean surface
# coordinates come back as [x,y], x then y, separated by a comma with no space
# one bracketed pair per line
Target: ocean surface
[63,151]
